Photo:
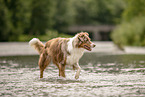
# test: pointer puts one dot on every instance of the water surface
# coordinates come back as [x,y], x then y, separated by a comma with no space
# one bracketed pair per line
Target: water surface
[101,75]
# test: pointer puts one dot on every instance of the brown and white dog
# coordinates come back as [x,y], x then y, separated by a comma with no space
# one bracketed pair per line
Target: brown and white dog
[62,52]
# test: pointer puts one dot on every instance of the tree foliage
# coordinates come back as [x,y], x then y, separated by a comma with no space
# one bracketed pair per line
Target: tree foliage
[36,17]
[135,8]
[131,31]
[98,11]
[41,16]
[12,18]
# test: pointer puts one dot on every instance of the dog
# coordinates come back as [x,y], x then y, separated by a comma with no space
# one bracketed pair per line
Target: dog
[62,52]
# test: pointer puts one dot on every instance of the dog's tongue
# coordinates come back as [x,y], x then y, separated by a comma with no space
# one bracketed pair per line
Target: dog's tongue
[88,48]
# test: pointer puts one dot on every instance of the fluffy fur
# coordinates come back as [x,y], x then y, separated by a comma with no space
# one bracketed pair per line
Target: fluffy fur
[62,52]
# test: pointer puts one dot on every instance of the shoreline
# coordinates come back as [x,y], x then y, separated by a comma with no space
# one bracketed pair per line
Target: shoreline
[105,47]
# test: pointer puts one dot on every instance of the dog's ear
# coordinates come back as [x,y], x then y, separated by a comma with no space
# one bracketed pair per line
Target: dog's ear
[86,33]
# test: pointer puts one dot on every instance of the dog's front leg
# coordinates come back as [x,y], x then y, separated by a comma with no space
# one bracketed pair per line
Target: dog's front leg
[78,70]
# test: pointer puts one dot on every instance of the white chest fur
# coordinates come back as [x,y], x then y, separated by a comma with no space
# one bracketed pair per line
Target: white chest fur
[74,56]
[75,53]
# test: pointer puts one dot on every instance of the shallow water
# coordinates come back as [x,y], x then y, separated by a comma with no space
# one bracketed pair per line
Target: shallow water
[101,75]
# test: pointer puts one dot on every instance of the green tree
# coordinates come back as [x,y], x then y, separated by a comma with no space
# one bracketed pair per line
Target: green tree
[4,21]
[19,18]
[131,31]
[134,8]
[98,11]
[41,17]
[13,19]
[64,15]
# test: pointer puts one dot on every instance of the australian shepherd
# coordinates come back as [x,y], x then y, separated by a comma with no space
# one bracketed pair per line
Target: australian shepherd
[62,52]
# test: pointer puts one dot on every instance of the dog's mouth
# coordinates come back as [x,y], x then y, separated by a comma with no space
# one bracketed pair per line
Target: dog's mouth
[87,48]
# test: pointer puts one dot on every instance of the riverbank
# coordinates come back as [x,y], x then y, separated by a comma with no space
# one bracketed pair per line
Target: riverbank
[22,48]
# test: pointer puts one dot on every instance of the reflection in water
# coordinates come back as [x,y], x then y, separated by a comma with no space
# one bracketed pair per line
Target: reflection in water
[101,75]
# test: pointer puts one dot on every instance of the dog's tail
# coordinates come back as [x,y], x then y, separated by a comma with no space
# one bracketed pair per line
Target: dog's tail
[37,44]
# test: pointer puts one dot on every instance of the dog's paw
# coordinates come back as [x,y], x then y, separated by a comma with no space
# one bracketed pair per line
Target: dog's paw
[62,62]
[62,78]
[76,77]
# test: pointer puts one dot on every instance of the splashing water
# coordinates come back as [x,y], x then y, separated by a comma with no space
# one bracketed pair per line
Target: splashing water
[101,75]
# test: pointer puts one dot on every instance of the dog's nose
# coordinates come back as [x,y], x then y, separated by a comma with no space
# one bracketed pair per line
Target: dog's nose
[93,45]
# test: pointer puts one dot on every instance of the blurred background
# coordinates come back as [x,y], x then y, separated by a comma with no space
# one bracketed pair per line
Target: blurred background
[120,21]
[114,68]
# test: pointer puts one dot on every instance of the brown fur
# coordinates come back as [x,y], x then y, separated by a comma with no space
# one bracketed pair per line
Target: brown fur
[55,50]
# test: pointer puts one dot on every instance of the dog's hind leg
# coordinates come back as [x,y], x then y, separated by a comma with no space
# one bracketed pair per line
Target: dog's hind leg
[44,61]
[61,68]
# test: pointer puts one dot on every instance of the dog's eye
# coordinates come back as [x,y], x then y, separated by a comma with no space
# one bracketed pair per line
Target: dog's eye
[88,41]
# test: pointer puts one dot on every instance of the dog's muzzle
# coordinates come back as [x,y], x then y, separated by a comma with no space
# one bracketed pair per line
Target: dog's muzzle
[93,45]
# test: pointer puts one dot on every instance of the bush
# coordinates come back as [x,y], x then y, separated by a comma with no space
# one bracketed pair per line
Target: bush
[49,35]
[130,33]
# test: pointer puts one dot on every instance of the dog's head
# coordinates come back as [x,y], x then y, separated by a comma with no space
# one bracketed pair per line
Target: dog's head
[84,41]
